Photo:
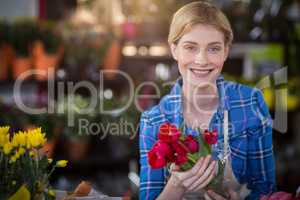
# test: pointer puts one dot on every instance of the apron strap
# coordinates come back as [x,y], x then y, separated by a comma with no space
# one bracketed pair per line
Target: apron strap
[225,132]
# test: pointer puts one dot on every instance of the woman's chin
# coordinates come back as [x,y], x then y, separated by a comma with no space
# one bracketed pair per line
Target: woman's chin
[203,81]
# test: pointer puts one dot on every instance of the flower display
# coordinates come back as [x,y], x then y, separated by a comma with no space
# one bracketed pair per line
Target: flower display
[24,166]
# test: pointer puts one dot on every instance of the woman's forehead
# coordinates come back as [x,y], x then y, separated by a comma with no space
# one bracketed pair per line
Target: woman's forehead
[203,34]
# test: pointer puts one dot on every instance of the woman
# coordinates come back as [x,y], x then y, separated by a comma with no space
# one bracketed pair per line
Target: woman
[200,36]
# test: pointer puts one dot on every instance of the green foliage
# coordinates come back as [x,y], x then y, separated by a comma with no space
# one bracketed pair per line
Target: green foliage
[50,39]
[5,33]
[24,33]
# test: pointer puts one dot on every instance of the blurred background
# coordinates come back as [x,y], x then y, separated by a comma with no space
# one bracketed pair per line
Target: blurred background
[78,38]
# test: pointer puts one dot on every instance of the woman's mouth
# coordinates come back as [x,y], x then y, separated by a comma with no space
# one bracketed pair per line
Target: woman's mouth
[201,72]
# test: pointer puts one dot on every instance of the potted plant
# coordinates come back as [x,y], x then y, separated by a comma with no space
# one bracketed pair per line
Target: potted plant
[24,169]
[24,33]
[47,49]
[85,50]
[6,51]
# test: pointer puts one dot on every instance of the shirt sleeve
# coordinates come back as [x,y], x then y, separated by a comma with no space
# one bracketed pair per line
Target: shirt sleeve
[152,181]
[260,162]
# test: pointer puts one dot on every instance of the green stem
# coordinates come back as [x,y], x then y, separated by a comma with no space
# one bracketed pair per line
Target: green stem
[190,158]
[52,170]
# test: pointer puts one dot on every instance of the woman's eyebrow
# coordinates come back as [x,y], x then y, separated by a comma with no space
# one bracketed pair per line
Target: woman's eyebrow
[195,43]
[190,42]
[214,43]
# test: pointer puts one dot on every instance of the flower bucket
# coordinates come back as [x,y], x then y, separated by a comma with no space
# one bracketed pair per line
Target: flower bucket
[6,58]
[42,61]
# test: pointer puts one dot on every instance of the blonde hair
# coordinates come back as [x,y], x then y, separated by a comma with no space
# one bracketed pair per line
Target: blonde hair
[199,12]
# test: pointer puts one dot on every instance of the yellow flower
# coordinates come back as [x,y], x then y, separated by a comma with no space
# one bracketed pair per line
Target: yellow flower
[50,160]
[61,163]
[4,136]
[4,130]
[19,139]
[35,138]
[20,152]
[17,155]
[13,159]
[7,148]
[13,182]
[51,193]
[32,153]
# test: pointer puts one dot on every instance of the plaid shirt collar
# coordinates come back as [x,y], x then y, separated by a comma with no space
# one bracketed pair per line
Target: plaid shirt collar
[174,99]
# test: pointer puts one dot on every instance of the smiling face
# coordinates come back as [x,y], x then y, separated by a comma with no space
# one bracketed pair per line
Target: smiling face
[200,54]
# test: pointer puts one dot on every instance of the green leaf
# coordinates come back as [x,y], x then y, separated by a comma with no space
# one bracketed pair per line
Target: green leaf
[181,128]
[204,148]
[192,159]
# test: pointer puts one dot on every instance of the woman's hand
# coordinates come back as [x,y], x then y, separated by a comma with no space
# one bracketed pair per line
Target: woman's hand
[214,196]
[197,177]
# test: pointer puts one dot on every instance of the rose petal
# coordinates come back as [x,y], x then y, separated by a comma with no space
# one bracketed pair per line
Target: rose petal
[168,133]
[281,196]
[191,144]
[210,137]
[155,160]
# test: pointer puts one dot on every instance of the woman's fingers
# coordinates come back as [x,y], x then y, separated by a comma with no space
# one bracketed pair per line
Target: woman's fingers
[233,195]
[215,196]
[206,182]
[174,168]
[197,173]
[199,176]
[190,173]
[205,178]
[203,169]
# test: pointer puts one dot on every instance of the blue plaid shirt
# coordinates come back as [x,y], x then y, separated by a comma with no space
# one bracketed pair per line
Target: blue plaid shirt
[250,137]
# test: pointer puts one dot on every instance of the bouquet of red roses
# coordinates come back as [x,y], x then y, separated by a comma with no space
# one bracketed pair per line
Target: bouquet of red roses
[174,147]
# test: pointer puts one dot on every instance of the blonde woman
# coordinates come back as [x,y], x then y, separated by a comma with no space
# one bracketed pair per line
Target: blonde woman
[200,37]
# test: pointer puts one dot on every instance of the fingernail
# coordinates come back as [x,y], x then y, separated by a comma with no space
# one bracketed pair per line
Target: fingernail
[208,157]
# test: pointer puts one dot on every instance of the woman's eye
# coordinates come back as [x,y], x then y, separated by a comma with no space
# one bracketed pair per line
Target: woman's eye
[214,49]
[190,48]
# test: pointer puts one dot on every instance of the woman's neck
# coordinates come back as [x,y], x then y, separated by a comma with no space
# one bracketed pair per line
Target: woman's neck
[199,104]
[201,100]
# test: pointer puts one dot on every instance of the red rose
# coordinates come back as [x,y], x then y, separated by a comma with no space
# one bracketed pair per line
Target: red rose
[278,196]
[210,137]
[180,153]
[160,154]
[155,159]
[191,144]
[168,133]
[181,159]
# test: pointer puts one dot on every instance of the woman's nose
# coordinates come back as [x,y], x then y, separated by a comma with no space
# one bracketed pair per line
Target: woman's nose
[201,58]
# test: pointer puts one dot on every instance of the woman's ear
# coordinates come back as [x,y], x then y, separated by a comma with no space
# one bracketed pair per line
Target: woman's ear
[173,51]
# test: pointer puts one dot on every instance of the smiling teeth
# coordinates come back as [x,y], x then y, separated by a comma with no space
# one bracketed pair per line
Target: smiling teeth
[201,72]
